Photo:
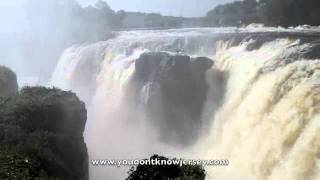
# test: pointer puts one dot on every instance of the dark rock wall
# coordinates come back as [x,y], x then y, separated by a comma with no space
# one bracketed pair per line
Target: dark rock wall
[8,82]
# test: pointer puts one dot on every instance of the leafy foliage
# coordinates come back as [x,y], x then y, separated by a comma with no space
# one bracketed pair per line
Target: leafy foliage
[21,166]
[41,136]
[269,12]
[231,14]
[290,12]
[157,172]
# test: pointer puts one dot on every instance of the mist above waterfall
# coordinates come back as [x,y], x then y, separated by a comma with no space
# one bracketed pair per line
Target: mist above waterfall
[34,33]
[37,32]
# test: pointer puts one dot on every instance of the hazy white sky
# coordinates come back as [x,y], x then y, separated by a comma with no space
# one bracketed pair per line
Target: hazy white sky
[166,7]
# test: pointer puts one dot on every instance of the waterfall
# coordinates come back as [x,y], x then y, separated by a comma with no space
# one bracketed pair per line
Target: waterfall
[268,126]
[244,94]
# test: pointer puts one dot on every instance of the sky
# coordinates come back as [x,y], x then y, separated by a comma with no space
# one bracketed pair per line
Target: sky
[187,8]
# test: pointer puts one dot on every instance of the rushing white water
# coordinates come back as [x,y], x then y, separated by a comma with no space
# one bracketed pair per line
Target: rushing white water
[267,125]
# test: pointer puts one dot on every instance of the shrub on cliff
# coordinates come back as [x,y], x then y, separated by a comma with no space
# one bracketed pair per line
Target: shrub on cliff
[21,166]
[42,109]
[45,128]
[157,172]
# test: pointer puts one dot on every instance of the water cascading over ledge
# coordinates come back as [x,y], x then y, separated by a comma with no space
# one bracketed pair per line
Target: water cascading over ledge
[258,99]
[268,126]
[171,91]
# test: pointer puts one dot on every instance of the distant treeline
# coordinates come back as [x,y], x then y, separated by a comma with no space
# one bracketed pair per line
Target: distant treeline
[96,21]
[55,25]
[70,20]
[269,12]
[67,21]
[100,17]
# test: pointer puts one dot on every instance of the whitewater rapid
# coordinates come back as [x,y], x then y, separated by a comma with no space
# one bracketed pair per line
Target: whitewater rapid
[267,124]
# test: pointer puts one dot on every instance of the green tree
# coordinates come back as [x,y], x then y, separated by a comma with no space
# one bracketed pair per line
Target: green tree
[289,12]
[234,14]
[157,172]
[36,126]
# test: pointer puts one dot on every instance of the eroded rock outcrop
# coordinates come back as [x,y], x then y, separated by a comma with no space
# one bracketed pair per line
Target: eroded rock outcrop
[8,82]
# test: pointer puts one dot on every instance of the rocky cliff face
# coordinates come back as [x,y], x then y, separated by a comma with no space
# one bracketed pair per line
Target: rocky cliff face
[8,82]
[42,135]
